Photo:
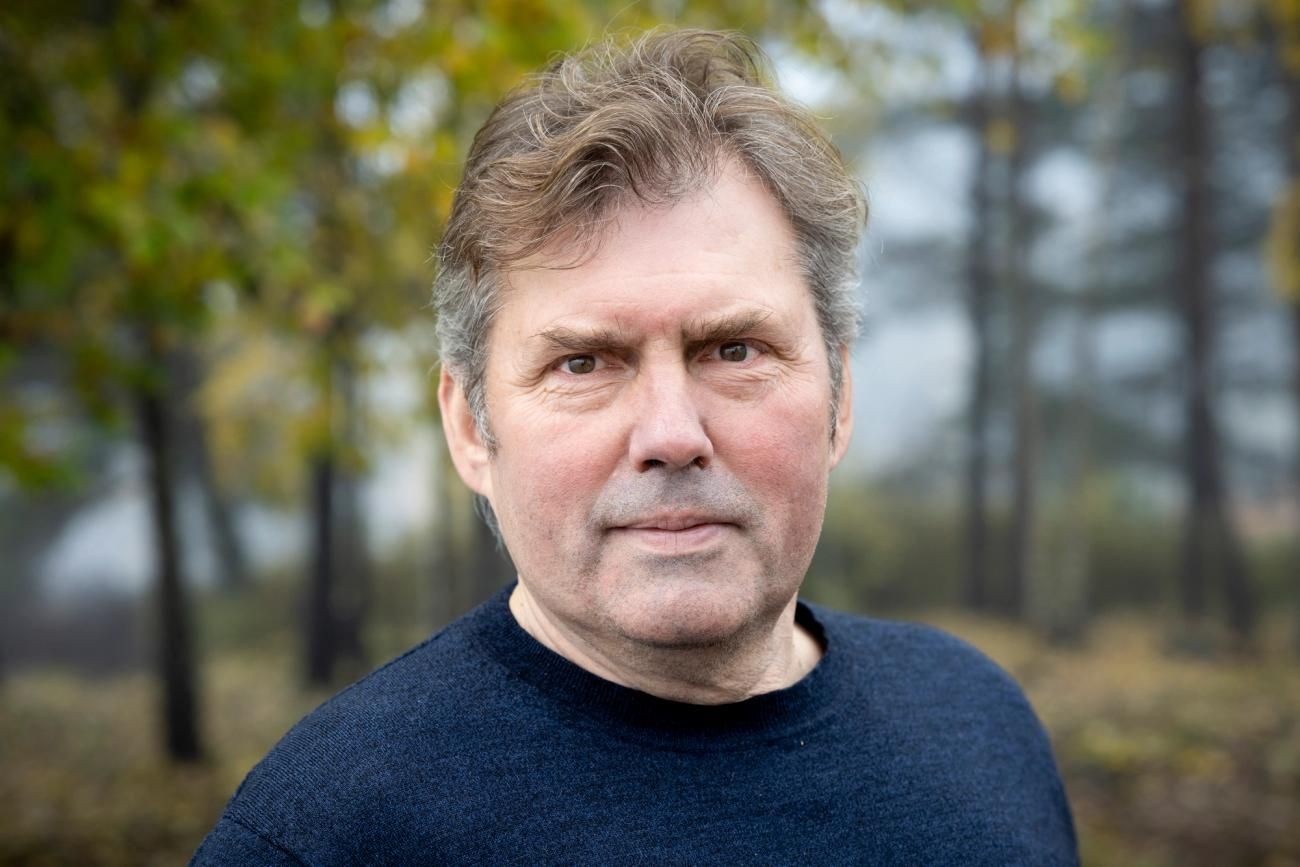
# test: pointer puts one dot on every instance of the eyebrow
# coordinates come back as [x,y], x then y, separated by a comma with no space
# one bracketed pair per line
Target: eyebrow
[567,339]
[696,332]
[728,326]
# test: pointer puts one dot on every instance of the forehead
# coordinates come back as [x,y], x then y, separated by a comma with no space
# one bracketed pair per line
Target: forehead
[726,248]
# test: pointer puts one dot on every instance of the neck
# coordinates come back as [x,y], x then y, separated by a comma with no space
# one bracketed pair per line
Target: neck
[776,656]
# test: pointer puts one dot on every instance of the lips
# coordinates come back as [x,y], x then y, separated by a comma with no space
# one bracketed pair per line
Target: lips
[674,522]
[676,535]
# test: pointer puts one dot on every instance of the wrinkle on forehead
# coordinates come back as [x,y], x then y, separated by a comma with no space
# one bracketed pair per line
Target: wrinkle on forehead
[586,244]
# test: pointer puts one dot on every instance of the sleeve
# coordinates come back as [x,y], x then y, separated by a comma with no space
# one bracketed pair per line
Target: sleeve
[234,844]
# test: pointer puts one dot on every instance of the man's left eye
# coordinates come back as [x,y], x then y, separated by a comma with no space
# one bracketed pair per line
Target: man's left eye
[734,350]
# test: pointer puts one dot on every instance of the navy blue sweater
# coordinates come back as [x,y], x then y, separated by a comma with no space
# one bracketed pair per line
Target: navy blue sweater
[903,746]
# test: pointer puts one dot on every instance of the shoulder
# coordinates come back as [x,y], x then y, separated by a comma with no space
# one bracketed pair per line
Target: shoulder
[905,658]
[400,698]
[961,727]
[931,687]
[908,637]
[375,752]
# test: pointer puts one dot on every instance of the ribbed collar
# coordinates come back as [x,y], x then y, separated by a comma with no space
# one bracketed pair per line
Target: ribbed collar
[802,706]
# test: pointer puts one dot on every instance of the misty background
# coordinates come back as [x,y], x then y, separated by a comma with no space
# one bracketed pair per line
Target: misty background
[223,489]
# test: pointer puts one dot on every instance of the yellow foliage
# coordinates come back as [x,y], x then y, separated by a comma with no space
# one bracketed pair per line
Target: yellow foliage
[252,401]
[1291,57]
[1282,247]
[997,36]
[222,135]
[1201,17]
[1286,25]
[1001,136]
[1072,86]
[1286,13]
[319,304]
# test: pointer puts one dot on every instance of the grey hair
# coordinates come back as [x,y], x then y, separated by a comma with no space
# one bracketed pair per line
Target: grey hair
[649,123]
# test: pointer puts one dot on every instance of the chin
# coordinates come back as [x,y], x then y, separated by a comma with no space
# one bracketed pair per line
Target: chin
[691,613]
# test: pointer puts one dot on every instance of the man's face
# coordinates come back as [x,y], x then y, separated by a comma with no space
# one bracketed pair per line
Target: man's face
[662,417]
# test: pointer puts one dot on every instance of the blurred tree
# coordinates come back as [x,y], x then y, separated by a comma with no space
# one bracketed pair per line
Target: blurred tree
[1004,228]
[114,202]
[1284,230]
[1134,414]
[1067,607]
[196,454]
[979,291]
[1024,315]
[1210,542]
[1289,230]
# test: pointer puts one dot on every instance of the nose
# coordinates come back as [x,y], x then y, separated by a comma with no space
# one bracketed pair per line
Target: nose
[668,430]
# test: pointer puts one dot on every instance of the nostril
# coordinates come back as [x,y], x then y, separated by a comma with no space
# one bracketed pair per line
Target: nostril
[653,462]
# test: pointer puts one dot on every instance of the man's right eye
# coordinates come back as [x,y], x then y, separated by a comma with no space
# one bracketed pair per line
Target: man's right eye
[579,364]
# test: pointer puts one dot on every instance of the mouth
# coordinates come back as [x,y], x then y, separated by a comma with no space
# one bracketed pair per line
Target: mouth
[675,534]
[675,523]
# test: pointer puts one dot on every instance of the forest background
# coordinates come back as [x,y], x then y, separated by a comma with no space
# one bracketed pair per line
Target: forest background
[223,492]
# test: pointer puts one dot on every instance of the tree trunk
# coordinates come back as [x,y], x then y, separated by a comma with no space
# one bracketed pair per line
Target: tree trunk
[320,627]
[175,639]
[351,598]
[232,564]
[1210,545]
[1060,606]
[1295,377]
[320,586]
[979,299]
[1292,150]
[1192,299]
[1024,327]
[336,595]
[1068,594]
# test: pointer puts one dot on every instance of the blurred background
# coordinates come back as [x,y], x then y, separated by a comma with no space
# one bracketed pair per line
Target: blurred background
[223,491]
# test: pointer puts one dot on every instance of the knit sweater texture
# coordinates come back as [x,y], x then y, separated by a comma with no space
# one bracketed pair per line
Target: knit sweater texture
[904,746]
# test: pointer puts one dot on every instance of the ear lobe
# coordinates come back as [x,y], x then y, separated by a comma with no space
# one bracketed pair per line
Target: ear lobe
[844,410]
[468,452]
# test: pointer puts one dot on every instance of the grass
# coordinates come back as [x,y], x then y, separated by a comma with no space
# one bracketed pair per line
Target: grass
[84,781]
[1168,761]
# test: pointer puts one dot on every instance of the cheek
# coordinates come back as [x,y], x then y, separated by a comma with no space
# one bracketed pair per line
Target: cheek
[783,456]
[548,475]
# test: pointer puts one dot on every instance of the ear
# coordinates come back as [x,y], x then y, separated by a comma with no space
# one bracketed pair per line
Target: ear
[468,452]
[844,411]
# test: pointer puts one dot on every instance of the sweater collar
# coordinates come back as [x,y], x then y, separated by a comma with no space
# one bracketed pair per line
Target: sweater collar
[804,704]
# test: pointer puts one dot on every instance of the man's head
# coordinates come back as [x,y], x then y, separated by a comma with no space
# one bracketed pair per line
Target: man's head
[609,128]
[646,301]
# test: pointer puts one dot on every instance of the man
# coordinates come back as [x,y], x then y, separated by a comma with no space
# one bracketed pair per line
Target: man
[646,299]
